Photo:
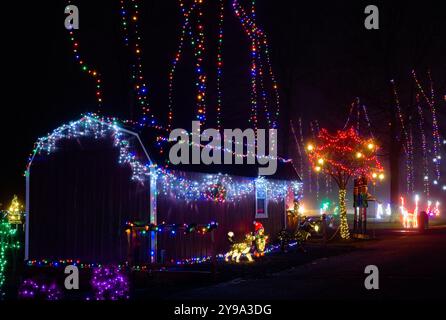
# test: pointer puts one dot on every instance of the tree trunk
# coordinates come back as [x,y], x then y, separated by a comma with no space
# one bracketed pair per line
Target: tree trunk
[345,232]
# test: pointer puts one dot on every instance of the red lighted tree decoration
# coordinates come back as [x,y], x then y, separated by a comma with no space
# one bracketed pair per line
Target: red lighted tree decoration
[343,156]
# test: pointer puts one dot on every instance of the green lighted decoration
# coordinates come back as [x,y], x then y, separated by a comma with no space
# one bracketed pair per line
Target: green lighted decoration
[8,241]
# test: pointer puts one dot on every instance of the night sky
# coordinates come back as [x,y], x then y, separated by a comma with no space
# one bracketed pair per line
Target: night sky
[321,52]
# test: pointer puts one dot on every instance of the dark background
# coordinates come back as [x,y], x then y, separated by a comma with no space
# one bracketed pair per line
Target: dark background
[322,55]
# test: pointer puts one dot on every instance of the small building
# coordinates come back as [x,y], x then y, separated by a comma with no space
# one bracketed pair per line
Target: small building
[89,179]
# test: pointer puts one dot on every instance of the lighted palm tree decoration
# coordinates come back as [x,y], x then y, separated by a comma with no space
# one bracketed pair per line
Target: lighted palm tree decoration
[343,156]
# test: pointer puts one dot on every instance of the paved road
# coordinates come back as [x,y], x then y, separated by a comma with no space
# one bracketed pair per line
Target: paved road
[410,265]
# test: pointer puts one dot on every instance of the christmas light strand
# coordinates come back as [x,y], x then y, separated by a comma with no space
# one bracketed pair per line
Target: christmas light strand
[172,183]
[435,131]
[130,25]
[221,17]
[91,71]
[408,142]
[426,177]
[259,50]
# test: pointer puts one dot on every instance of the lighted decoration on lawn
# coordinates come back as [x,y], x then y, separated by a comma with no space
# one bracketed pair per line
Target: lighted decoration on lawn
[388,210]
[379,211]
[31,289]
[14,213]
[260,239]
[110,283]
[433,211]
[239,248]
[342,156]
[408,218]
[8,241]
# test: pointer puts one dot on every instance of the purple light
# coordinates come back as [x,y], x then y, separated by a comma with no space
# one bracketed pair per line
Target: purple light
[32,289]
[109,283]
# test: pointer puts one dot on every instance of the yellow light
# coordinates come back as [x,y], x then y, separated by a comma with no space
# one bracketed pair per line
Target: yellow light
[358,155]
[301,209]
[374,175]
[320,161]
[310,147]
[370,146]
[316,228]
[317,168]
[381,176]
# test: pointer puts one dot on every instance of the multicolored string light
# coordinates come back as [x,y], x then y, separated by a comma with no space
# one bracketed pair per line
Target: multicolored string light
[8,241]
[259,50]
[172,184]
[173,229]
[435,131]
[221,17]
[185,31]
[408,142]
[130,25]
[426,177]
[91,71]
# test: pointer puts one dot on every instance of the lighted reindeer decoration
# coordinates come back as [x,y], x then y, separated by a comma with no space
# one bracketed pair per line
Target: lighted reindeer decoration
[240,248]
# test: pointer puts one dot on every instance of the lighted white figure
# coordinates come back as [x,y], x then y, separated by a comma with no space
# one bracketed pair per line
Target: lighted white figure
[388,210]
[429,208]
[379,211]
[301,209]
[408,219]
[415,212]
[437,209]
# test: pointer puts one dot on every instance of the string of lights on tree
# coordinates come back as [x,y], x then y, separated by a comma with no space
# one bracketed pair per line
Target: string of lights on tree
[435,131]
[423,147]
[185,31]
[85,67]
[430,174]
[342,156]
[221,19]
[212,187]
[259,51]
[130,25]
[408,143]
